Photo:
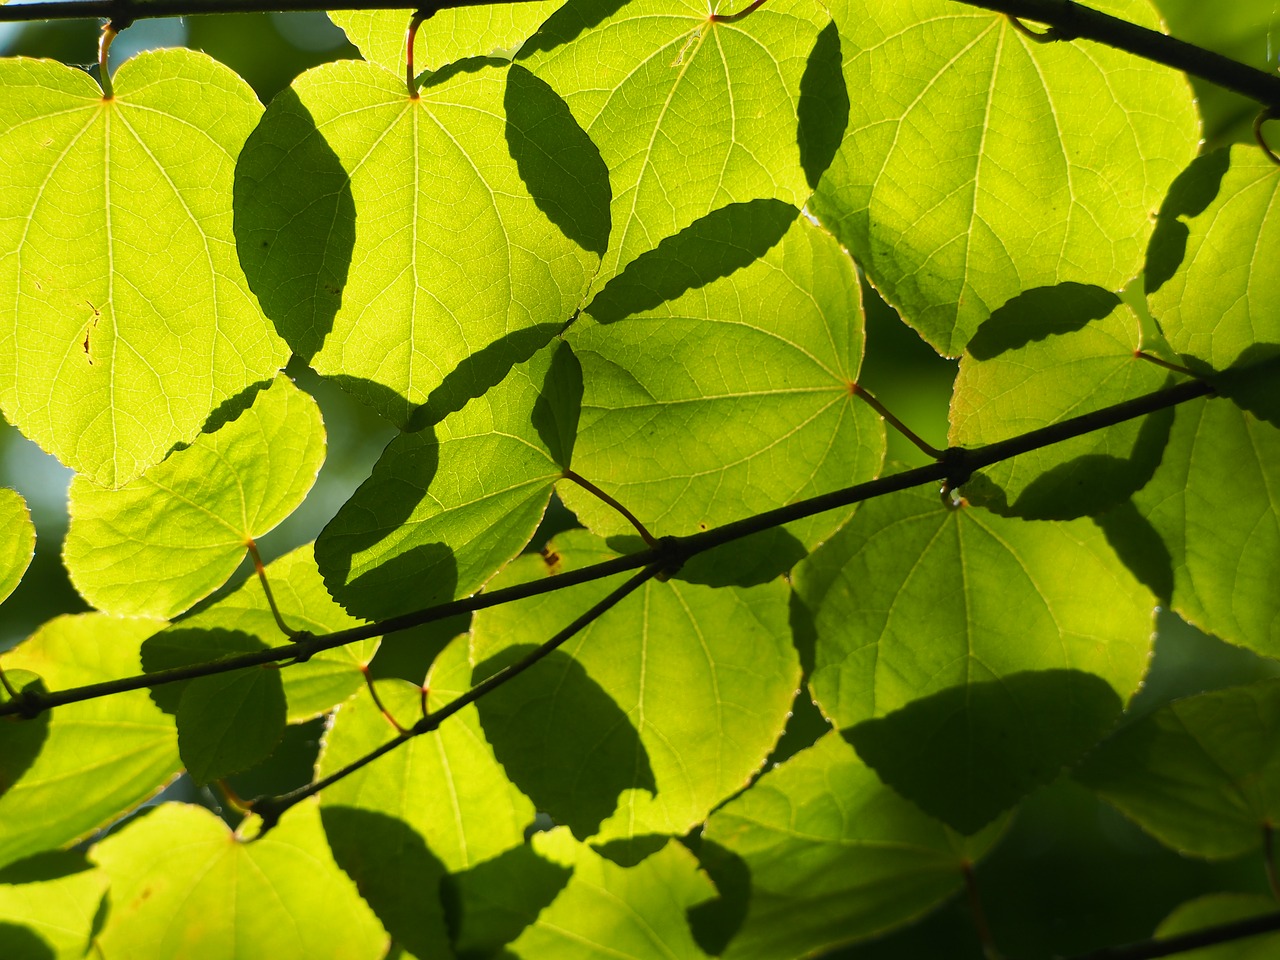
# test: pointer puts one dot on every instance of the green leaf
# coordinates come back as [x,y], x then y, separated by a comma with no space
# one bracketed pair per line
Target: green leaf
[242,621]
[437,803]
[718,385]
[174,535]
[1219,908]
[1210,277]
[131,319]
[229,722]
[19,546]
[1046,356]
[183,885]
[649,717]
[388,290]
[449,505]
[100,758]
[978,163]
[914,598]
[690,114]
[495,900]
[449,35]
[824,854]
[1206,530]
[1201,774]
[48,905]
[607,911]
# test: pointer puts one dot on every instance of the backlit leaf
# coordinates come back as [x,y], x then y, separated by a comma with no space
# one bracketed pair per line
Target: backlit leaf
[717,385]
[389,290]
[607,911]
[1045,356]
[448,505]
[914,599]
[50,901]
[1211,274]
[19,544]
[1219,908]
[228,722]
[129,316]
[652,715]
[491,30]
[1205,531]
[1201,774]
[438,803]
[183,885]
[978,163]
[690,114]
[242,621]
[99,758]
[832,856]
[174,535]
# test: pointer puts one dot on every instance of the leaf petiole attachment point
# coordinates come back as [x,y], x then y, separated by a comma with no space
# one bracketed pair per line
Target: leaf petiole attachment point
[420,16]
[1267,113]
[109,32]
[741,14]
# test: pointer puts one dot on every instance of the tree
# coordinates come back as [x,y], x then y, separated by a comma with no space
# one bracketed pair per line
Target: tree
[762,693]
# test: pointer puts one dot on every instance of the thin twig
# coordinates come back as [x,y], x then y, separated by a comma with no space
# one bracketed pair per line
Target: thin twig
[377,702]
[979,914]
[1175,367]
[599,494]
[880,408]
[258,566]
[272,808]
[1169,946]
[669,552]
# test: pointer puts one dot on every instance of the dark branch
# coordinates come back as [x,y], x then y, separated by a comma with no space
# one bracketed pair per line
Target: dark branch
[272,808]
[1070,21]
[669,553]
[126,11]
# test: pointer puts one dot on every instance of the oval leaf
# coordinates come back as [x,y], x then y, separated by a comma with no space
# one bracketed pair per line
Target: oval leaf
[174,535]
[978,163]
[130,313]
[19,544]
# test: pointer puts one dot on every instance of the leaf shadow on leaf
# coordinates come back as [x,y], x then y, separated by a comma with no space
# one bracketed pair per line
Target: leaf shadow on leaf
[1189,196]
[562,740]
[1086,485]
[748,562]
[714,923]
[1250,381]
[176,647]
[557,161]
[1140,547]
[294,220]
[395,872]
[22,943]
[717,245]
[20,740]
[970,752]
[488,905]
[823,109]
[1039,313]
[231,408]
[629,851]
[559,404]
[568,22]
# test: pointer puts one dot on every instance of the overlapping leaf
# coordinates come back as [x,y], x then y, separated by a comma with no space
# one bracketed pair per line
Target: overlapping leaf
[414,249]
[448,35]
[978,164]
[645,720]
[1200,774]
[1221,908]
[94,760]
[19,544]
[1205,532]
[1211,273]
[243,621]
[691,113]
[718,385]
[915,599]
[174,535]
[182,885]
[47,907]
[440,803]
[607,911]
[825,854]
[129,316]
[1045,356]
[447,506]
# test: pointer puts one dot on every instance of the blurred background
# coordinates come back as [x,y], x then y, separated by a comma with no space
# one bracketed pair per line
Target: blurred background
[1071,874]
